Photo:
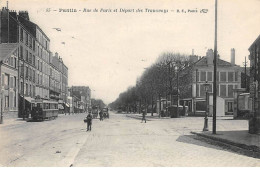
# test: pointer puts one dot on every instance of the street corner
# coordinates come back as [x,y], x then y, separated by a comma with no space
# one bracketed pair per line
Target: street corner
[237,141]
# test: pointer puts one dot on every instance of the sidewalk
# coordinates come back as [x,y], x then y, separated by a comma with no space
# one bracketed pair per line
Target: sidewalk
[238,138]
[229,131]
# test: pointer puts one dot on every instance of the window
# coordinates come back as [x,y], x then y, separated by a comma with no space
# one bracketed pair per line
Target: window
[223,76]
[21,34]
[6,79]
[236,73]
[21,87]
[21,51]
[230,106]
[33,60]
[6,101]
[230,90]
[26,72]
[26,39]
[15,81]
[30,58]
[230,76]
[27,56]
[14,99]
[15,61]
[33,45]
[202,90]
[30,93]
[223,91]
[209,75]
[30,41]
[26,89]
[11,82]
[203,76]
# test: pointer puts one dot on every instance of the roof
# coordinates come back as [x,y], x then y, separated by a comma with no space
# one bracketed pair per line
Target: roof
[6,50]
[203,62]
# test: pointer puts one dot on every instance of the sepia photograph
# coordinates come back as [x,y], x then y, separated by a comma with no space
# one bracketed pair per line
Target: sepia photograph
[129,83]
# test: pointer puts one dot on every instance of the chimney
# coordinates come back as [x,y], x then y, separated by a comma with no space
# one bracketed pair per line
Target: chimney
[24,14]
[210,56]
[232,58]
[56,55]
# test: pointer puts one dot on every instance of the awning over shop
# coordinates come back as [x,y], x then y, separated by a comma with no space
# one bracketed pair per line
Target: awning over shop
[29,99]
[67,104]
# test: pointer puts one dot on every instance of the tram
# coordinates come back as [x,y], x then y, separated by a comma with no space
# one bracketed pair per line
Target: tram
[44,109]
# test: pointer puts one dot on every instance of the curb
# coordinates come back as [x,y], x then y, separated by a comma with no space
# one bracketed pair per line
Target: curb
[251,148]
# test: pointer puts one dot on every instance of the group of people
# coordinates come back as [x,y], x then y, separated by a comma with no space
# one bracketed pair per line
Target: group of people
[101,118]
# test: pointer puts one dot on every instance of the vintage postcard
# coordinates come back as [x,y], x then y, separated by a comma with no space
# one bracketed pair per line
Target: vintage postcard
[129,83]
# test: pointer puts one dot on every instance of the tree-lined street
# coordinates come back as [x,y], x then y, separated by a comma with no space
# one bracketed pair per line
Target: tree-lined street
[118,141]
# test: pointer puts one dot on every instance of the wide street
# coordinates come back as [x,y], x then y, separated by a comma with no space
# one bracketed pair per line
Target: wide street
[118,141]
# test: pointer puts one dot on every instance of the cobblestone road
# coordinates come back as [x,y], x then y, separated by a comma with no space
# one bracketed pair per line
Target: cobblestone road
[118,141]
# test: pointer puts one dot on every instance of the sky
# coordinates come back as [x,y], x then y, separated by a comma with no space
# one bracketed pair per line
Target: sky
[107,49]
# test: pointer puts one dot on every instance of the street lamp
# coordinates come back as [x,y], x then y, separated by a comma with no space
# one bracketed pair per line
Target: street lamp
[177,71]
[1,120]
[206,86]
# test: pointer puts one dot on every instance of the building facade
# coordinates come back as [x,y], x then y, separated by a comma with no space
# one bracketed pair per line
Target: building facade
[254,89]
[35,73]
[81,94]
[193,78]
[9,79]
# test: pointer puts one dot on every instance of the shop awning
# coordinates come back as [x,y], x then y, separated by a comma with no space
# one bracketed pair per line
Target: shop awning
[67,104]
[29,99]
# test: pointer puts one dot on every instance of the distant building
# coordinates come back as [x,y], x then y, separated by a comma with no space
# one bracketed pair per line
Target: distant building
[192,81]
[83,94]
[9,81]
[254,57]
[55,78]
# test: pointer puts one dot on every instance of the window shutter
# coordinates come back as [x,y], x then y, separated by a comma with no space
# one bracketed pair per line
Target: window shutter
[3,79]
[11,82]
[11,99]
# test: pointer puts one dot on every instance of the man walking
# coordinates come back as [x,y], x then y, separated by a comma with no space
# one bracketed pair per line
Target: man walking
[143,113]
[89,121]
[101,115]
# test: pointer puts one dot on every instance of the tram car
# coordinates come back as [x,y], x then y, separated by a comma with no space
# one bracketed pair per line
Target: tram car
[105,112]
[44,109]
[95,112]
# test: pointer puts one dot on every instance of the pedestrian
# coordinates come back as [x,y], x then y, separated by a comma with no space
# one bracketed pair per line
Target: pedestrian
[143,113]
[89,121]
[101,115]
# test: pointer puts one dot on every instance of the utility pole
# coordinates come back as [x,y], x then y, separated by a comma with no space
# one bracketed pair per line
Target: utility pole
[178,91]
[215,73]
[245,63]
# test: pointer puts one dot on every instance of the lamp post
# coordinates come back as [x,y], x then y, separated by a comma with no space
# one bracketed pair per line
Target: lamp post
[1,120]
[206,86]
[177,71]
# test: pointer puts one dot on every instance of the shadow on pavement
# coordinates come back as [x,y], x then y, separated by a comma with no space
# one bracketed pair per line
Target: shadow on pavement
[213,144]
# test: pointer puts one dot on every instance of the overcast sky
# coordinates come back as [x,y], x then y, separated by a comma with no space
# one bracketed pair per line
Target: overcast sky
[107,51]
